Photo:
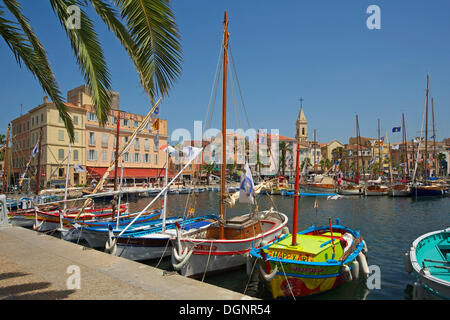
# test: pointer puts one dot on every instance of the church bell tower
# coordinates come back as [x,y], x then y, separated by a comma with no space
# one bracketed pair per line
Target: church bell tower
[301,125]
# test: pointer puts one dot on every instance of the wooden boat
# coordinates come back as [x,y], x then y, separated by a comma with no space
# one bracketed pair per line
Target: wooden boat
[376,190]
[351,190]
[27,217]
[312,261]
[51,220]
[399,190]
[429,259]
[225,244]
[427,189]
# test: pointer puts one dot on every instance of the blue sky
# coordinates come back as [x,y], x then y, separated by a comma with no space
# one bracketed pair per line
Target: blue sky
[283,50]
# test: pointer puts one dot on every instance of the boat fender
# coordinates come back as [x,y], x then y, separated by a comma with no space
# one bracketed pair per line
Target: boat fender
[363,263]
[355,269]
[263,243]
[346,273]
[270,276]
[418,291]
[180,265]
[111,247]
[408,265]
[179,256]
[285,230]
[365,249]
[36,227]
[249,265]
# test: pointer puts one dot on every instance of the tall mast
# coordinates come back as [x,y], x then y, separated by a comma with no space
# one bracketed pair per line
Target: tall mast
[116,157]
[434,137]
[357,149]
[295,213]
[38,175]
[426,133]
[314,150]
[224,123]
[405,146]
[379,150]
[5,169]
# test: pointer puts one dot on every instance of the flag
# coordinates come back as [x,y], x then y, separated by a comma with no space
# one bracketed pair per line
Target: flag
[396,129]
[35,149]
[191,212]
[156,140]
[171,149]
[155,113]
[79,168]
[191,152]
[156,125]
[247,188]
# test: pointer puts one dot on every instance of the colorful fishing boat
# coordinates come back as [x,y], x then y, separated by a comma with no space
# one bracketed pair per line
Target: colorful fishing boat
[312,261]
[429,259]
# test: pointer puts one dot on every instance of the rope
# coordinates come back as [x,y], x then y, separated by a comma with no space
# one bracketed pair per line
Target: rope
[207,263]
[287,281]
[250,276]
[164,252]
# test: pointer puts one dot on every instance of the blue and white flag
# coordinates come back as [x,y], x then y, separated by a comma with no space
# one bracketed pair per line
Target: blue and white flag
[35,149]
[191,152]
[79,168]
[247,188]
[155,113]
[396,129]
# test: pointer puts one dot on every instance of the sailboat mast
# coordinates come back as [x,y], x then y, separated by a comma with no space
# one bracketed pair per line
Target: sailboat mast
[314,150]
[405,147]
[426,133]
[224,123]
[379,150]
[38,175]
[116,157]
[5,169]
[357,149]
[295,213]
[434,138]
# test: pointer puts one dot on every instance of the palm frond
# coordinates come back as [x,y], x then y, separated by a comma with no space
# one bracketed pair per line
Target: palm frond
[153,28]
[89,55]
[26,47]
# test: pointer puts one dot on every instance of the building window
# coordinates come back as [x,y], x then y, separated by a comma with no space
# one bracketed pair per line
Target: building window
[60,154]
[135,124]
[91,139]
[104,155]
[92,155]
[75,119]
[136,144]
[104,140]
[136,157]
[156,158]
[146,145]
[42,117]
[92,116]
[125,122]
[76,137]
[125,157]
[61,172]
[146,158]
[61,135]
[303,131]
[75,155]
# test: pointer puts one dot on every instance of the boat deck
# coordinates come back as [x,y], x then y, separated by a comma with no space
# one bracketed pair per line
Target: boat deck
[434,253]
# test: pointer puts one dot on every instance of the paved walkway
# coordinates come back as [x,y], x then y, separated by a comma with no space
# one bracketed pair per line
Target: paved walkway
[38,266]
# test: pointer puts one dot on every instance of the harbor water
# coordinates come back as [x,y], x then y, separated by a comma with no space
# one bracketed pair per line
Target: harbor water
[388,225]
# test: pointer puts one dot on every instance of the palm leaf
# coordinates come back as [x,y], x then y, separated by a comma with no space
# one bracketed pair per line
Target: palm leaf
[152,26]
[28,48]
[89,55]
[28,52]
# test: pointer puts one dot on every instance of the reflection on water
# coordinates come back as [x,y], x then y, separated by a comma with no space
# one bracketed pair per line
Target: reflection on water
[389,225]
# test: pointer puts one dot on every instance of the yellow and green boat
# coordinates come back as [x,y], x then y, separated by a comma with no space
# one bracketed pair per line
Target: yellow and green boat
[312,261]
[322,259]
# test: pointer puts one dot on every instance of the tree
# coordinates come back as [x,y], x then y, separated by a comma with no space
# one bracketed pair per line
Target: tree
[149,35]
[283,148]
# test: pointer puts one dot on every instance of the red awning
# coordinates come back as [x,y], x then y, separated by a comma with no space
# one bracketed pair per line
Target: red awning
[139,173]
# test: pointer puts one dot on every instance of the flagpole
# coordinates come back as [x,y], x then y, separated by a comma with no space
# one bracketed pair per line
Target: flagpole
[39,165]
[295,213]
[165,193]
[65,191]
